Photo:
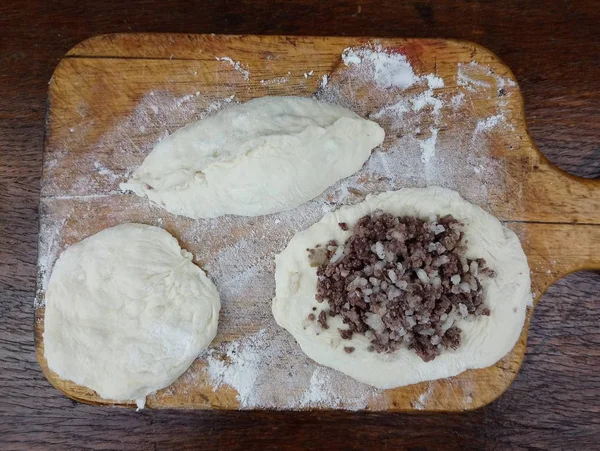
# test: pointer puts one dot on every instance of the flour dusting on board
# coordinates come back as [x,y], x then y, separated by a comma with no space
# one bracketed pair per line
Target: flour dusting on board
[103,170]
[473,75]
[421,402]
[423,146]
[386,69]
[274,81]
[259,367]
[237,66]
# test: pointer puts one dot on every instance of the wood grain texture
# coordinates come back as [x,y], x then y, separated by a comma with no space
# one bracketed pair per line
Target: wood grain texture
[552,50]
[103,80]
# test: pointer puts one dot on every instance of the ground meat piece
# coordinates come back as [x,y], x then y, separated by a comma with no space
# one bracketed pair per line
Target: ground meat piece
[452,338]
[348,349]
[401,281]
[346,334]
[323,319]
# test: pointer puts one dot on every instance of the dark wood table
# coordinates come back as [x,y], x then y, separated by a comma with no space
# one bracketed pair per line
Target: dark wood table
[554,50]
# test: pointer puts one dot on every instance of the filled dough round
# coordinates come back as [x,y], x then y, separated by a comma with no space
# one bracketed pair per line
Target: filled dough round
[127,312]
[268,155]
[485,339]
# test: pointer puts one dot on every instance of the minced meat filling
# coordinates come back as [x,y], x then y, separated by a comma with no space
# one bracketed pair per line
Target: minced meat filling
[400,280]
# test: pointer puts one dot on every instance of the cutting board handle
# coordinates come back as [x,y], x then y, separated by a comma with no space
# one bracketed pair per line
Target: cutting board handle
[549,194]
[573,247]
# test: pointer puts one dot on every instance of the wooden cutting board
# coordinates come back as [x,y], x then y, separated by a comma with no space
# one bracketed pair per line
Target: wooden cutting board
[113,96]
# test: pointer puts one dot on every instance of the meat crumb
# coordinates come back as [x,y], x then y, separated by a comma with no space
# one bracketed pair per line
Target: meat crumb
[401,281]
[346,334]
[348,349]
[323,319]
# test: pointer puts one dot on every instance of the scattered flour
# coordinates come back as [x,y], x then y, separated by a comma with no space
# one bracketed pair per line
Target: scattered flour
[103,170]
[318,392]
[488,123]
[392,70]
[424,144]
[397,110]
[385,68]
[324,80]
[457,100]
[427,98]
[326,389]
[349,56]
[181,101]
[428,146]
[236,66]
[274,81]
[421,402]
[473,75]
[464,79]
[242,368]
[251,364]
[434,82]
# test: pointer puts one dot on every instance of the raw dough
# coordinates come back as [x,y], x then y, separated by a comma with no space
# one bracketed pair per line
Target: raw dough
[127,312]
[268,155]
[485,340]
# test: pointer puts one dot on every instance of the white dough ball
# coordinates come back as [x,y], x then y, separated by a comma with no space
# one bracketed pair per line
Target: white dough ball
[127,312]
